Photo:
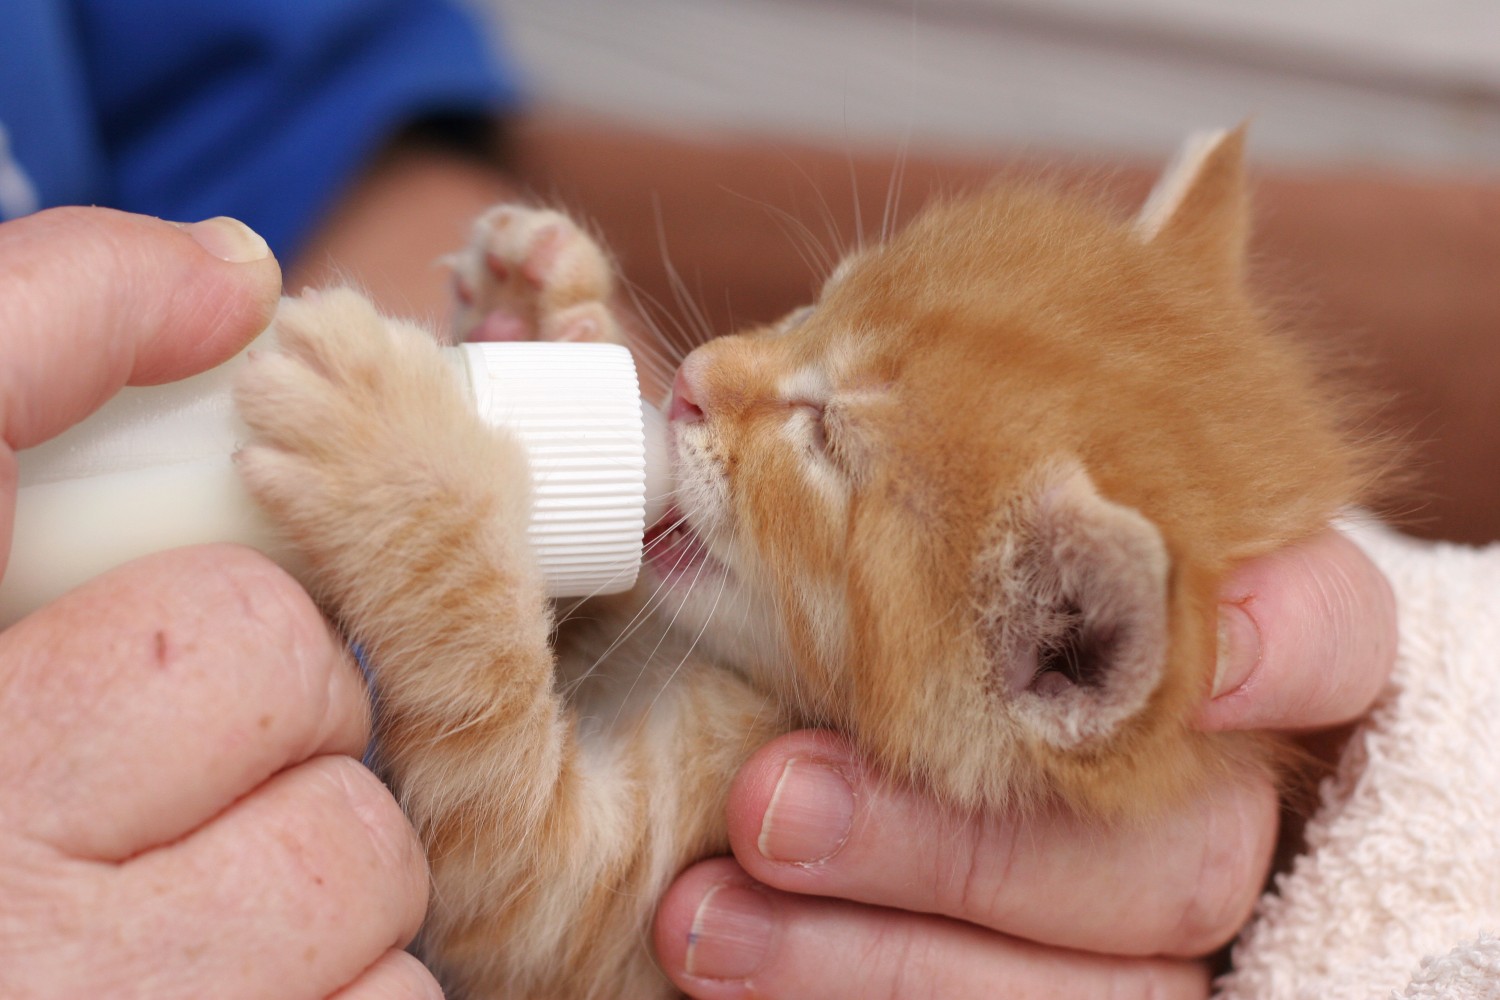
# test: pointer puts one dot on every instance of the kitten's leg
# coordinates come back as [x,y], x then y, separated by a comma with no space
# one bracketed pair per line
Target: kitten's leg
[411,515]
[547,854]
[532,274]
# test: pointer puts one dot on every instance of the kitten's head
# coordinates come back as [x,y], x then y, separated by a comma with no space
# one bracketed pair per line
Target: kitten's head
[974,504]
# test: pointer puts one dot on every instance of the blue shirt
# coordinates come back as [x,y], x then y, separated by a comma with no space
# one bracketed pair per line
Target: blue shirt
[259,109]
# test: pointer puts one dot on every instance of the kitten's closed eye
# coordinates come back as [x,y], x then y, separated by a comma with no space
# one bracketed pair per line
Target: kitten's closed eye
[813,420]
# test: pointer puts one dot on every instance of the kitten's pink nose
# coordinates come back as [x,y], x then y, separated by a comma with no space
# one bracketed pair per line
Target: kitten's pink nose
[684,399]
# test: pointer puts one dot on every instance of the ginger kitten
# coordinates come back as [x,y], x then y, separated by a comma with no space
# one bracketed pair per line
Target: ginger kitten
[971,508]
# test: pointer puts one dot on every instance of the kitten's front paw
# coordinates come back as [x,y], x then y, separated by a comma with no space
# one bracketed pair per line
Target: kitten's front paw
[532,274]
[362,440]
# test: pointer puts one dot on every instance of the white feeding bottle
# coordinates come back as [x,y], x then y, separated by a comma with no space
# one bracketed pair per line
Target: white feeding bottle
[153,470]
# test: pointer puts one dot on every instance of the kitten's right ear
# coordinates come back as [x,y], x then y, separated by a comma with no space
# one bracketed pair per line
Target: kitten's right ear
[1200,207]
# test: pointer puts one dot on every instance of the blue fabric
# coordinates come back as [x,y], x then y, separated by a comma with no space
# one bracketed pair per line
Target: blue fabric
[259,109]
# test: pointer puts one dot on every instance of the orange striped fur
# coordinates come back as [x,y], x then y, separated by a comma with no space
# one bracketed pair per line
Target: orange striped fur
[972,509]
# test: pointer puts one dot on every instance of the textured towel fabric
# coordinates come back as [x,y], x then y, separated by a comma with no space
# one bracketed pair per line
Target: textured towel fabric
[1398,893]
[1469,972]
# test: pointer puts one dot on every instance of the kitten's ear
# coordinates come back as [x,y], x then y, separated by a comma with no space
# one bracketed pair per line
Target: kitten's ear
[1073,609]
[1200,205]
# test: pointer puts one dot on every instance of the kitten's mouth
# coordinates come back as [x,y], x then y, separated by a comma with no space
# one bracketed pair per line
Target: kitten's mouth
[675,551]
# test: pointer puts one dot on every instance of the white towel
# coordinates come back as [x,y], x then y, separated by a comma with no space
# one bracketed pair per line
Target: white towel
[1398,892]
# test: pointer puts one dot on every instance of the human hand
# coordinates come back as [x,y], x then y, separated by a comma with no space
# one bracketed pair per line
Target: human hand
[181,810]
[851,887]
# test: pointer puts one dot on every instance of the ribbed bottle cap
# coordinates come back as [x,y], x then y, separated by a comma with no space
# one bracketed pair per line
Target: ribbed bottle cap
[577,410]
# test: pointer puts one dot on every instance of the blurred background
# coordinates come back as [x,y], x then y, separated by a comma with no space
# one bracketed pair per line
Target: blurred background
[1333,82]
[695,131]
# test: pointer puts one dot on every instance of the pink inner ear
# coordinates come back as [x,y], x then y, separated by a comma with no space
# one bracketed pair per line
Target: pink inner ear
[1083,611]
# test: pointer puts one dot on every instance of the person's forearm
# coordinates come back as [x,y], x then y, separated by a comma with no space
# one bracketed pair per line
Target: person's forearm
[389,232]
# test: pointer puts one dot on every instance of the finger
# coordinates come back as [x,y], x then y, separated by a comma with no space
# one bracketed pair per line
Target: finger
[292,892]
[720,936]
[806,817]
[91,299]
[207,669]
[397,976]
[1308,638]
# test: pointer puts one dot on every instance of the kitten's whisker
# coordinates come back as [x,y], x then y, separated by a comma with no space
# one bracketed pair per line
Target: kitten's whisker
[669,346]
[640,616]
[859,217]
[812,251]
[649,606]
[637,621]
[893,190]
[662,344]
[838,243]
[646,548]
[657,648]
[707,620]
[691,310]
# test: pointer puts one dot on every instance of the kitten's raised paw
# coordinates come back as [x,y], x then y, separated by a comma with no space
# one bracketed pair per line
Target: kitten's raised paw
[532,274]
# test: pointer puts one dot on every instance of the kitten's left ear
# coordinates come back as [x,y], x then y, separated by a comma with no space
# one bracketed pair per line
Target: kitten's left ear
[1072,596]
[1200,206]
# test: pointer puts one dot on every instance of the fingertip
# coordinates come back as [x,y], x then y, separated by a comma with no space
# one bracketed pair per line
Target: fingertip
[792,803]
[231,296]
[229,239]
[108,298]
[755,784]
[722,936]
[396,847]
[1311,642]
[677,913]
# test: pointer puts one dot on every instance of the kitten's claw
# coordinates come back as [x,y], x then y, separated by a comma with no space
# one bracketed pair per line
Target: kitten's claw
[532,274]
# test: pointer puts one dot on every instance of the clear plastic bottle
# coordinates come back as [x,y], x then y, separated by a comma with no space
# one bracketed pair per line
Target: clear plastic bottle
[152,470]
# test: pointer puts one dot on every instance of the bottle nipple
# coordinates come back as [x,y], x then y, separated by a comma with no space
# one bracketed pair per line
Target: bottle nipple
[659,482]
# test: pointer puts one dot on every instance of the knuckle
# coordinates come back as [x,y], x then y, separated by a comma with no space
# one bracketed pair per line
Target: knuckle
[265,595]
[1158,981]
[900,963]
[340,835]
[251,603]
[978,871]
[390,834]
[1234,854]
[241,594]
